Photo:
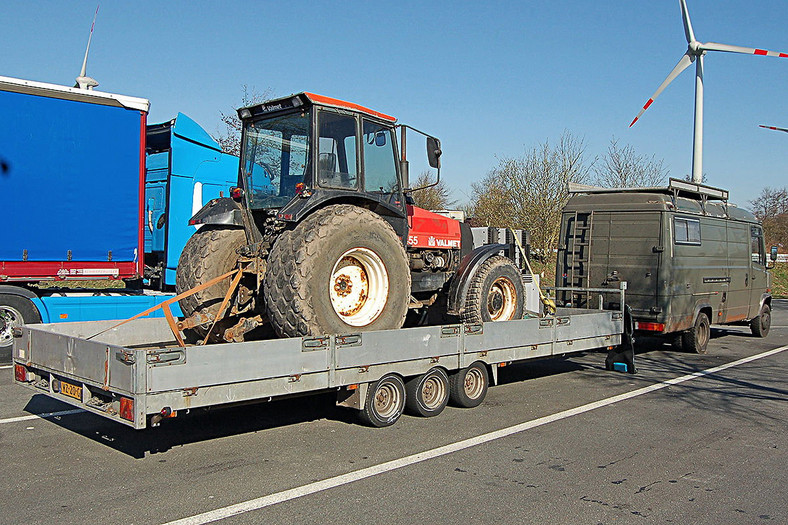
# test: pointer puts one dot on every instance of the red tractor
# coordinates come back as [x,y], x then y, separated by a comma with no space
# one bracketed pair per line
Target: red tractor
[323,228]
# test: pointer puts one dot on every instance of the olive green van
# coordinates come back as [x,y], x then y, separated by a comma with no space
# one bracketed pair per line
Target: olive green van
[689,257]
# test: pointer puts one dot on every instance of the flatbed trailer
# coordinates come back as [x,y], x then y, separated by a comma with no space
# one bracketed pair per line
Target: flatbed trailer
[137,375]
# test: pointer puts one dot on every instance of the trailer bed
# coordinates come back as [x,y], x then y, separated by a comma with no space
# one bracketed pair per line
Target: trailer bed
[136,371]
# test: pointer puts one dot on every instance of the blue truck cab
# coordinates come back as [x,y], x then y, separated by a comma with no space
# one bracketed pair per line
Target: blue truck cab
[185,168]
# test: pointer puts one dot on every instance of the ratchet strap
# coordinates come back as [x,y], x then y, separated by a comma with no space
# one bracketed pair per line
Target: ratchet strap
[165,306]
[546,301]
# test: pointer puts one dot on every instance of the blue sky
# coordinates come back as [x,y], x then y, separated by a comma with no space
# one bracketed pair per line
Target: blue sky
[489,78]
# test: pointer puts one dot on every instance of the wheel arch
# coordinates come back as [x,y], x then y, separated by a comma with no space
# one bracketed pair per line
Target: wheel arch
[458,290]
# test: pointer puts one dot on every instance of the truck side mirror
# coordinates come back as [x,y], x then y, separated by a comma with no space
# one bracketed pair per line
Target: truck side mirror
[434,152]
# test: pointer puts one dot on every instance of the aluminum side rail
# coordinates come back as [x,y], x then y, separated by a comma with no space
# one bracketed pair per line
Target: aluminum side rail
[135,371]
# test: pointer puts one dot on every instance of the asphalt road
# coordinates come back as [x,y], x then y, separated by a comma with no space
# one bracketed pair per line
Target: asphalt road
[708,449]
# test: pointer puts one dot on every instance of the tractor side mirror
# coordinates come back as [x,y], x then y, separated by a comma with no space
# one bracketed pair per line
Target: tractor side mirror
[434,152]
[380,138]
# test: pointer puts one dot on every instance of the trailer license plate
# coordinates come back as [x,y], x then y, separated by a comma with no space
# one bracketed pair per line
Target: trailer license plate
[67,389]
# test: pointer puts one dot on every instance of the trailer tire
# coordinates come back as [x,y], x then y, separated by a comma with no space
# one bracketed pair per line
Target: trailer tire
[697,338]
[209,253]
[427,394]
[385,402]
[15,311]
[760,325]
[341,269]
[495,292]
[468,386]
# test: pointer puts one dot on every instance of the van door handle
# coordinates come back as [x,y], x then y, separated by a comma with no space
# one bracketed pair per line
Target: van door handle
[746,279]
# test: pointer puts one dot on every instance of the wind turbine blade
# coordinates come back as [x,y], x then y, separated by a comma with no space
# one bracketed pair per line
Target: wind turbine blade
[83,71]
[713,46]
[772,127]
[687,24]
[683,64]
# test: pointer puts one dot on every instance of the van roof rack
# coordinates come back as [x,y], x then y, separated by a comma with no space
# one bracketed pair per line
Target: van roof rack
[675,187]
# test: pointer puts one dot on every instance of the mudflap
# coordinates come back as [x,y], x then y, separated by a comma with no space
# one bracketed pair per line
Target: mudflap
[622,357]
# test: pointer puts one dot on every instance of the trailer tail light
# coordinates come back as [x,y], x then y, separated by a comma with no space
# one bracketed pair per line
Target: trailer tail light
[650,327]
[20,373]
[127,408]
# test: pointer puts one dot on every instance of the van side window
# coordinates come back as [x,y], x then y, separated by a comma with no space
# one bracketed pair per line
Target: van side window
[687,231]
[757,247]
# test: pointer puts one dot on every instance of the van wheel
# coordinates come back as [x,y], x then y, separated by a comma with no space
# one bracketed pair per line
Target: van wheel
[697,338]
[761,324]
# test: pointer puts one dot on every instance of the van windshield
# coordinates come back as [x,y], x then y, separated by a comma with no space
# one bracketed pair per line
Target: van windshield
[275,153]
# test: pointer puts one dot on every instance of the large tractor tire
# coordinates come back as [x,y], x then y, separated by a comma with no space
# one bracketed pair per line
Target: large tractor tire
[495,293]
[208,254]
[342,269]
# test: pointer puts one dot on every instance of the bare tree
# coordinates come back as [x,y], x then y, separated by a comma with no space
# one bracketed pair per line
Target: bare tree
[434,197]
[771,208]
[229,138]
[529,191]
[621,167]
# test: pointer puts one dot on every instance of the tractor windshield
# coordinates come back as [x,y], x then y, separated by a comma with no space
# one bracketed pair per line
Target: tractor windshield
[275,154]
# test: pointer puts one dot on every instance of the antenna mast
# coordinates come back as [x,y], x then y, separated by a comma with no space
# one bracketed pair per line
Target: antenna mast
[84,81]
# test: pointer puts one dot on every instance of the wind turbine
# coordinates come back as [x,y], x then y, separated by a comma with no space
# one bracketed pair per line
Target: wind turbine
[84,81]
[695,53]
[772,127]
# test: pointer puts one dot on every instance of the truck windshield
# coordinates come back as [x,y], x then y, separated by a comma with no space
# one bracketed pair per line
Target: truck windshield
[275,155]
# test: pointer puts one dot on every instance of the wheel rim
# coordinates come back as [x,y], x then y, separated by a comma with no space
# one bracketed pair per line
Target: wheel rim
[474,383]
[766,320]
[704,334]
[10,318]
[502,300]
[433,392]
[387,400]
[359,286]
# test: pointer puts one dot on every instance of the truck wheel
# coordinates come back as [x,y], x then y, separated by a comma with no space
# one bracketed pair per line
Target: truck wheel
[428,393]
[469,386]
[696,338]
[341,269]
[15,311]
[385,402]
[495,292]
[209,253]
[761,324]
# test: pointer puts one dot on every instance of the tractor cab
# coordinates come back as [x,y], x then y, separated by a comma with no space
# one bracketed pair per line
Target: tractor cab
[304,151]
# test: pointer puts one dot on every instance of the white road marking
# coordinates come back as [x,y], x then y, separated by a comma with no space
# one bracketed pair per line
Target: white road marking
[350,477]
[45,415]
[4,367]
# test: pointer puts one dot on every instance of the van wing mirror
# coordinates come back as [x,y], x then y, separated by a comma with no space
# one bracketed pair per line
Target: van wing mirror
[773,253]
[434,152]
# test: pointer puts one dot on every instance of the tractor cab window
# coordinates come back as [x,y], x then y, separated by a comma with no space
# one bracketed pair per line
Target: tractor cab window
[380,170]
[275,155]
[336,162]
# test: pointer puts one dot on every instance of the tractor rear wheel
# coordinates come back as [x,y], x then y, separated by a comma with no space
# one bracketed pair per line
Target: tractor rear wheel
[209,253]
[495,293]
[342,269]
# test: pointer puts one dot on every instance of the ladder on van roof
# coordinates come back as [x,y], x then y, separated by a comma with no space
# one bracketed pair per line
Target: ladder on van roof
[578,252]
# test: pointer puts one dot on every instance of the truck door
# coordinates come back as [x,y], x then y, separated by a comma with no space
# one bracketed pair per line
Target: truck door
[758,275]
[156,202]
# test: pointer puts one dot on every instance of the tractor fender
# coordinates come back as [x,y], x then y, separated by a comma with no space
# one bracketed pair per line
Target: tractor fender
[458,290]
[223,211]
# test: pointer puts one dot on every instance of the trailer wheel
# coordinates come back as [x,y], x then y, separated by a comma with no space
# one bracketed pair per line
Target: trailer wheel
[209,253]
[15,311]
[341,269]
[427,394]
[760,325]
[495,292]
[385,402]
[697,338]
[469,386]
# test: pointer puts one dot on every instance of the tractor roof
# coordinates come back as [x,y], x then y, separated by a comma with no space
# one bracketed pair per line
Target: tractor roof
[299,99]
